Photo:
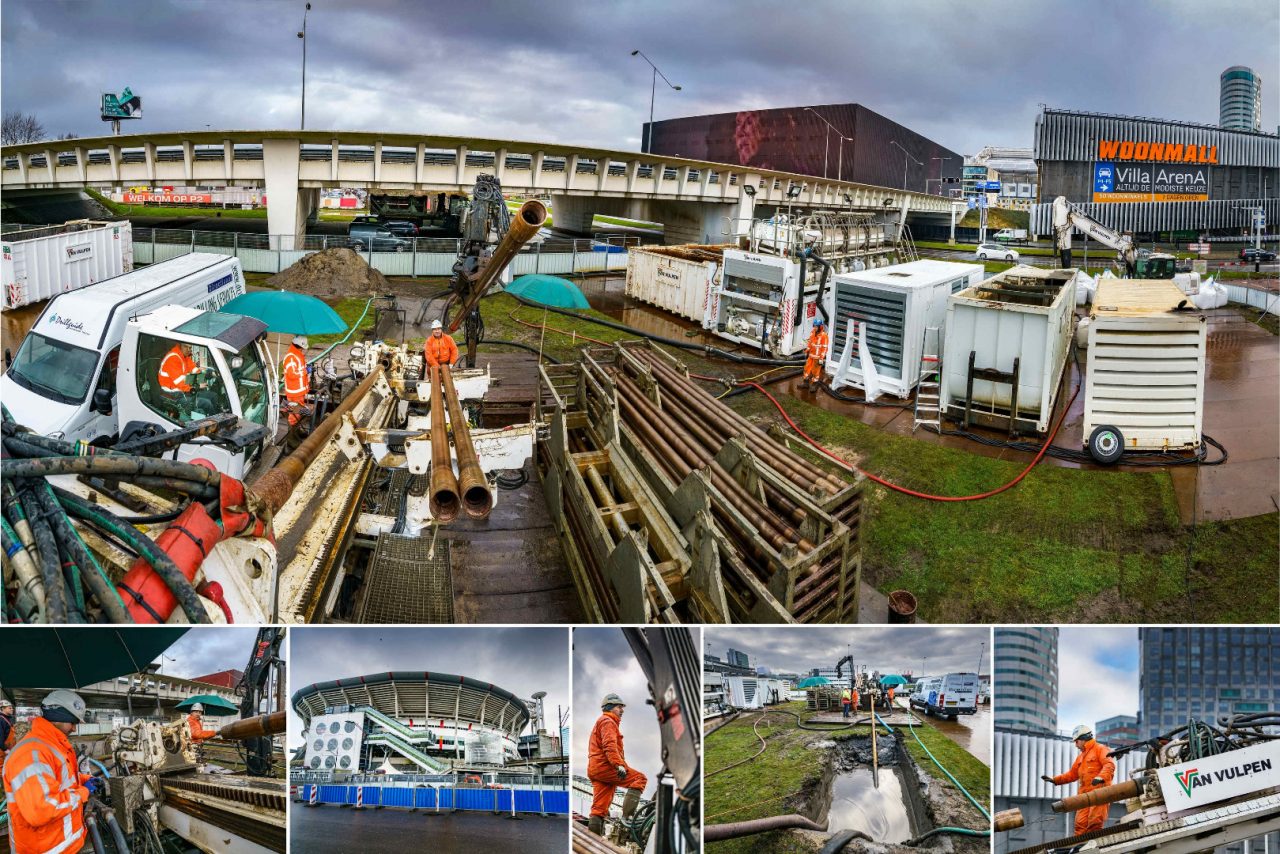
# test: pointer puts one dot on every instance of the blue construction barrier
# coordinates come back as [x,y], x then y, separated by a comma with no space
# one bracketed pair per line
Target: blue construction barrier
[555,802]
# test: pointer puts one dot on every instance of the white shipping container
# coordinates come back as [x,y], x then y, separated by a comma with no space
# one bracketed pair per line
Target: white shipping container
[744,692]
[659,276]
[892,306]
[41,263]
[999,320]
[1146,366]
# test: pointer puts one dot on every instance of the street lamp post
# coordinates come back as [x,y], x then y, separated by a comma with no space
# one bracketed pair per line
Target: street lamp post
[940,168]
[303,35]
[905,156]
[826,147]
[653,93]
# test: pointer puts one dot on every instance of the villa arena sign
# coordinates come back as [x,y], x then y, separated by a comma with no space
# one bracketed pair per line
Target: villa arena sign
[1217,778]
[1149,182]
[1156,152]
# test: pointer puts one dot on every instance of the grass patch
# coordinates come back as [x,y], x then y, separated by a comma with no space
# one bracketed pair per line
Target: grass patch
[629,223]
[1242,274]
[350,310]
[1265,319]
[962,764]
[973,247]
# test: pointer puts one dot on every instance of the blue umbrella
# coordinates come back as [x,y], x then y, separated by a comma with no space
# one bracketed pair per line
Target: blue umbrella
[814,682]
[548,290]
[892,680]
[213,704]
[288,312]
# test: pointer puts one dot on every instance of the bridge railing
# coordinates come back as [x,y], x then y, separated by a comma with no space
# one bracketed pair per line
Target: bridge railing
[424,256]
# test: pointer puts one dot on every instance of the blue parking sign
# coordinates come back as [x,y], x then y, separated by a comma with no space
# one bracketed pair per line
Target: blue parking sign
[1104,177]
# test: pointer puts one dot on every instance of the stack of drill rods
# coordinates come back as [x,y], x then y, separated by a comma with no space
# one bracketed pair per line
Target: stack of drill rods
[727,423]
[686,454]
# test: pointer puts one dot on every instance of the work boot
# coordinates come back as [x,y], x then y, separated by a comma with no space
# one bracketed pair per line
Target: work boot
[596,825]
[630,802]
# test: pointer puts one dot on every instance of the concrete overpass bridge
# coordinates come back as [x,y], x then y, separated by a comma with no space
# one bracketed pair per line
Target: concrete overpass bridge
[696,200]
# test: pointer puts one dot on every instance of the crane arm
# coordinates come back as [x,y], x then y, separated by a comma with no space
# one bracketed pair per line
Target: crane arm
[1066,220]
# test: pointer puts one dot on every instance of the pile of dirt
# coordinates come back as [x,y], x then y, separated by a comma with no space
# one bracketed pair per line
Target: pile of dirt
[331,273]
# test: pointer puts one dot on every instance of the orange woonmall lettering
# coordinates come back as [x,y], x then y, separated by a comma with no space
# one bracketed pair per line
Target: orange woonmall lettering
[1108,148]
[1173,152]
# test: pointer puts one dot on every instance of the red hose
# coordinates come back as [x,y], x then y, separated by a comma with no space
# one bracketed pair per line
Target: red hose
[912,492]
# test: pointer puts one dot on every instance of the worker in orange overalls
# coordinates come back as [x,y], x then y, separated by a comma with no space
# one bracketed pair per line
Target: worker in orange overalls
[7,735]
[43,787]
[195,723]
[817,353]
[891,698]
[294,369]
[439,349]
[607,767]
[175,369]
[1094,768]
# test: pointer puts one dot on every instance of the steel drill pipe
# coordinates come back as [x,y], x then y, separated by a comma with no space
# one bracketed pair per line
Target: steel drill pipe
[256,727]
[276,485]
[1105,795]
[1008,820]
[524,225]
[444,483]
[733,830]
[477,499]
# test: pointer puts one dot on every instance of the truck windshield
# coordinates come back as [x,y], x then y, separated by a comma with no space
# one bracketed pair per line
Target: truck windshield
[54,368]
[247,374]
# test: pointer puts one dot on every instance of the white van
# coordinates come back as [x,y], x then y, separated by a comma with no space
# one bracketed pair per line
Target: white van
[62,382]
[947,696]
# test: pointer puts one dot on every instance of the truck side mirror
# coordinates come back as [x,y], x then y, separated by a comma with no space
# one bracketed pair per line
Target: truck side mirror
[102,401]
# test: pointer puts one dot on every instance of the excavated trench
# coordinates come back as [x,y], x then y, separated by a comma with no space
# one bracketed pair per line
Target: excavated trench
[850,799]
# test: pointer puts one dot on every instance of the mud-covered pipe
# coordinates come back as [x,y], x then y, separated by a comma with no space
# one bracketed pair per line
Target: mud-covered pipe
[524,225]
[736,829]
[1097,797]
[444,483]
[822,284]
[1008,820]
[275,486]
[95,835]
[256,727]
[117,835]
[837,843]
[477,500]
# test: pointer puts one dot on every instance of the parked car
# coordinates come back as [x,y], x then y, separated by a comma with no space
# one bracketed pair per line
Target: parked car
[364,218]
[401,227]
[1010,234]
[995,252]
[371,236]
[947,696]
[1250,254]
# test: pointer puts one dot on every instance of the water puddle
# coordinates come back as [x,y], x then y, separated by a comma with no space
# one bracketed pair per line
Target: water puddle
[880,812]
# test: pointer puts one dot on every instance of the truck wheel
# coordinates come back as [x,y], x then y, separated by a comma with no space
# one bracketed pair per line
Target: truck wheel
[1106,444]
[982,257]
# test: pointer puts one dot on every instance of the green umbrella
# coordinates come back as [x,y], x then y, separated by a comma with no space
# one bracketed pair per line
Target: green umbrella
[814,682]
[75,656]
[892,679]
[213,705]
[288,313]
[547,290]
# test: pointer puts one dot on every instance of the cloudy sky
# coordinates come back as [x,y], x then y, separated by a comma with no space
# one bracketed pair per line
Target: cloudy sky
[562,71]
[521,660]
[603,664]
[203,651]
[888,649]
[1097,674]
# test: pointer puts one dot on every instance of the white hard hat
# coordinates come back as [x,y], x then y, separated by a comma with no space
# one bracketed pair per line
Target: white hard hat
[300,340]
[435,324]
[5,703]
[63,702]
[1082,731]
[197,707]
[611,700]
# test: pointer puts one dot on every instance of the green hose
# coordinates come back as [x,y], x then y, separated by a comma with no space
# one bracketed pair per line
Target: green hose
[962,789]
[347,337]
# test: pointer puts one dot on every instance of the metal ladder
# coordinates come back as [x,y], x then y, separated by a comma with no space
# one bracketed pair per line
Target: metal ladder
[928,403]
[907,248]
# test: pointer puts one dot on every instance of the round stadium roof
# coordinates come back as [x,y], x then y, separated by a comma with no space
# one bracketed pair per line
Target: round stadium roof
[418,694]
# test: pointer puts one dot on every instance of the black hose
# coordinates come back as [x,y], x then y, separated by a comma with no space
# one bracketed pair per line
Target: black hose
[705,349]
[822,284]
[163,565]
[493,341]
[90,572]
[55,587]
[95,835]
[110,465]
[836,843]
[116,835]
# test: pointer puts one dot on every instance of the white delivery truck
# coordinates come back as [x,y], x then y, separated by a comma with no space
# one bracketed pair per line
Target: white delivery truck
[947,696]
[1011,235]
[62,382]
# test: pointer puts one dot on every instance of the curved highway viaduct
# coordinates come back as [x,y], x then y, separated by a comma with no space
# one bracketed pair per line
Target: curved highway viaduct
[696,200]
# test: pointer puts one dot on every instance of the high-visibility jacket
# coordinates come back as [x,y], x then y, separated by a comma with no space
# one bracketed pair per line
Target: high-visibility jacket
[442,350]
[7,736]
[175,367]
[818,343]
[198,732]
[846,696]
[294,368]
[45,793]
[1094,761]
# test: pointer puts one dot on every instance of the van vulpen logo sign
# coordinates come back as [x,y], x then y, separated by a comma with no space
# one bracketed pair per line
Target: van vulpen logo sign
[1186,779]
[1221,777]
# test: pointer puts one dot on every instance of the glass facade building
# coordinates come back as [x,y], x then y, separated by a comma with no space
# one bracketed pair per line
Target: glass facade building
[1240,99]
[1203,673]
[1026,679]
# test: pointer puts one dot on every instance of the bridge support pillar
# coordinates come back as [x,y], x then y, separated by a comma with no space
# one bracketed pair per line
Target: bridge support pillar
[700,222]
[288,206]
[574,213]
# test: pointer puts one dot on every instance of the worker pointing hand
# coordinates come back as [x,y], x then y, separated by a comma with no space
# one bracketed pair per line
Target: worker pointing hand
[1094,768]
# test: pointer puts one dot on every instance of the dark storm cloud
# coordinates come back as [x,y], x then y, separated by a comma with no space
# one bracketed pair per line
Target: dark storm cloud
[208,650]
[603,664]
[520,660]
[799,649]
[561,71]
